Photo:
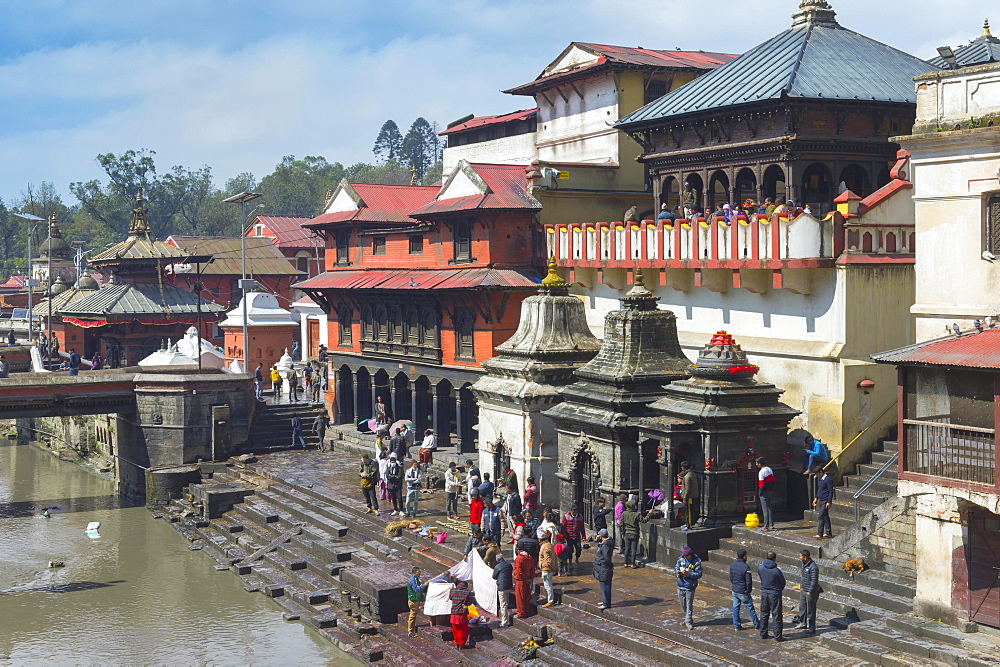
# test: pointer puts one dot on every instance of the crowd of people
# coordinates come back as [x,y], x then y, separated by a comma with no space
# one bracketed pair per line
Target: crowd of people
[726,213]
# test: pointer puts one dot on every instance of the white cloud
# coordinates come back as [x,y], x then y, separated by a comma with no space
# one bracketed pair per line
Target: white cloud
[239,85]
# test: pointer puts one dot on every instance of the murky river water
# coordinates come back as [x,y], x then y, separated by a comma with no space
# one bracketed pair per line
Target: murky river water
[136,594]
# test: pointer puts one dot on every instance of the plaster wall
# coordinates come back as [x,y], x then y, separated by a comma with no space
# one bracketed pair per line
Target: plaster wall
[529,436]
[519,149]
[953,96]
[954,174]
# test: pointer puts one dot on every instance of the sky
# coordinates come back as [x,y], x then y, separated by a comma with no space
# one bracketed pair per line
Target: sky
[238,85]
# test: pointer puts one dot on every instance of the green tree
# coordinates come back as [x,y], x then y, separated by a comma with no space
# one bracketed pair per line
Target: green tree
[388,143]
[390,173]
[420,147]
[298,188]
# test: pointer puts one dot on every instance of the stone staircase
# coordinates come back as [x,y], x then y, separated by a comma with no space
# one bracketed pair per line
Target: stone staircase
[330,565]
[272,426]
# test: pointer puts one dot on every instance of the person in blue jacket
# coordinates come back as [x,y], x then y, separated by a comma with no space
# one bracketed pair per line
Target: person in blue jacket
[688,571]
[772,583]
[816,454]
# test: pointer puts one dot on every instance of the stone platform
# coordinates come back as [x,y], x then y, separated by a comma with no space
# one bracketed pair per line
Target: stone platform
[309,573]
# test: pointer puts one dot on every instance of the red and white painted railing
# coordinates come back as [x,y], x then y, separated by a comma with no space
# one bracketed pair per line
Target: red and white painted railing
[700,242]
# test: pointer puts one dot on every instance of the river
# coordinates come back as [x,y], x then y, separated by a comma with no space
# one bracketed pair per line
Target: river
[136,594]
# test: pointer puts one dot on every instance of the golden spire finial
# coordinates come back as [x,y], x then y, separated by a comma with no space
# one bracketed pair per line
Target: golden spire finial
[413,175]
[553,277]
[986,28]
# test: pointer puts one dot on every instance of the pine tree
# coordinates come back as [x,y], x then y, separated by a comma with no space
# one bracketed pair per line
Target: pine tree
[420,147]
[388,143]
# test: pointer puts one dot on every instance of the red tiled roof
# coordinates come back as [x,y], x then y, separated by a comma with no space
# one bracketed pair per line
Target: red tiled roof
[417,279]
[973,349]
[523,114]
[382,203]
[508,190]
[16,282]
[625,56]
[640,56]
[288,232]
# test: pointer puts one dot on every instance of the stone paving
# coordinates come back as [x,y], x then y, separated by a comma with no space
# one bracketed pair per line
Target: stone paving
[644,599]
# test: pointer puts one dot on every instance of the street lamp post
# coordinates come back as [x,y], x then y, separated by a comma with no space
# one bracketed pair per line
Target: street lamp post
[48,256]
[242,199]
[31,281]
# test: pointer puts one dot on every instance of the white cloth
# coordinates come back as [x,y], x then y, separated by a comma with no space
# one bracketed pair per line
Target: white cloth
[471,568]
[430,442]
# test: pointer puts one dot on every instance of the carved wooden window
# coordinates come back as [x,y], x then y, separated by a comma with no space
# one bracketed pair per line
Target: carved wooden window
[378,245]
[412,328]
[993,225]
[344,336]
[367,324]
[416,244]
[463,241]
[396,325]
[343,241]
[381,324]
[465,334]
[430,329]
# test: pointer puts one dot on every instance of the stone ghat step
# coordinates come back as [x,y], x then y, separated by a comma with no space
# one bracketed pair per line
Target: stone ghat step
[843,603]
[890,583]
[881,632]
[881,486]
[925,627]
[872,654]
[643,647]
[753,654]
[868,470]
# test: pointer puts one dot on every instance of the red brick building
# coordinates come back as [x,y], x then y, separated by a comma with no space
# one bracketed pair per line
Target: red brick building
[421,284]
[303,248]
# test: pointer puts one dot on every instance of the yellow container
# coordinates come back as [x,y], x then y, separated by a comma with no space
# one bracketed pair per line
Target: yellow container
[752,521]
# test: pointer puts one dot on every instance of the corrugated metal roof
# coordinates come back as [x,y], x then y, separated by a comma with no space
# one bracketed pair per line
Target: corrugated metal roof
[381,204]
[982,50]
[480,121]
[415,279]
[507,191]
[973,349]
[138,247]
[288,232]
[263,258]
[139,299]
[815,59]
[61,300]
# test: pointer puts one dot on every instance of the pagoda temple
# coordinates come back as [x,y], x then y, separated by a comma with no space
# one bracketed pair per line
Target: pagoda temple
[139,305]
[598,418]
[720,420]
[526,377]
[805,115]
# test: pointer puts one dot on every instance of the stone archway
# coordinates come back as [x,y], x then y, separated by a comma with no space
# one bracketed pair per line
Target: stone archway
[773,183]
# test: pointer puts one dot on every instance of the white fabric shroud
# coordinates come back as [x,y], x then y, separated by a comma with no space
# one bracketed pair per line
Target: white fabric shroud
[473,569]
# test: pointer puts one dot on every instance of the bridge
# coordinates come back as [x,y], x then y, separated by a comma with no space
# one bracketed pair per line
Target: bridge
[166,422]
[27,395]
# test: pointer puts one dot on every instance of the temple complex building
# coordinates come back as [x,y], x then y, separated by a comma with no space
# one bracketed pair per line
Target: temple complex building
[421,284]
[811,294]
[139,304]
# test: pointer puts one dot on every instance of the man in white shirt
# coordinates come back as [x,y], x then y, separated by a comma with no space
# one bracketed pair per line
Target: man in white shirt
[452,487]
[427,447]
